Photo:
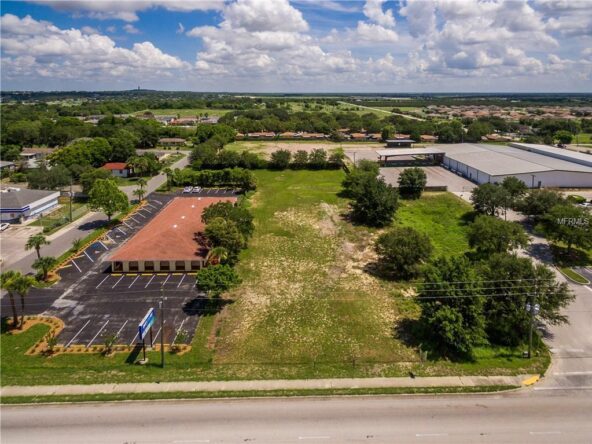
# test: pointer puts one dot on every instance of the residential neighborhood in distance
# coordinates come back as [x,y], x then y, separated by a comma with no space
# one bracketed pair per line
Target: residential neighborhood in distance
[269,221]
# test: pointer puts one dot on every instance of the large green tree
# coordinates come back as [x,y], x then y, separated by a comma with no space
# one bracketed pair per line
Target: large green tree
[374,202]
[107,197]
[488,235]
[7,282]
[538,202]
[216,279]
[235,212]
[22,284]
[412,181]
[402,250]
[512,282]
[569,224]
[451,301]
[224,233]
[490,198]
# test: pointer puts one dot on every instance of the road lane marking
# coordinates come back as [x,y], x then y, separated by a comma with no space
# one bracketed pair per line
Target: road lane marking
[76,335]
[180,441]
[95,336]
[545,433]
[314,437]
[165,281]
[76,265]
[572,373]
[153,276]
[421,435]
[106,277]
[119,331]
[582,387]
[119,280]
[588,288]
[179,284]
[134,281]
[89,258]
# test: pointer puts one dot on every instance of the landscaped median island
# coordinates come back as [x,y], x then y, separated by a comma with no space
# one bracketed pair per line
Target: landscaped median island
[311,303]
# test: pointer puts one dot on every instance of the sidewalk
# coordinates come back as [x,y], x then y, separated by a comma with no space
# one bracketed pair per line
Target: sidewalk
[267,385]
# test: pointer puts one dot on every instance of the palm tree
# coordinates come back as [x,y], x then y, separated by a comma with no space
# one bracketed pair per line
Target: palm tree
[22,285]
[35,242]
[7,283]
[43,265]
[140,193]
[217,255]
[169,174]
[77,244]
[142,182]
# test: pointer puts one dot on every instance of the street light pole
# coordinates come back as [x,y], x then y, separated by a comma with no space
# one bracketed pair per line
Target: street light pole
[161,306]
[70,199]
[532,310]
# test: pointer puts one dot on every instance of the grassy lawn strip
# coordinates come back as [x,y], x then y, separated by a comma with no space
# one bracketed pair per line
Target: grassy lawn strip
[256,394]
[574,275]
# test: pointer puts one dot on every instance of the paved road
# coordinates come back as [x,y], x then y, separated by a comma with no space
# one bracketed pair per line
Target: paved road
[486,419]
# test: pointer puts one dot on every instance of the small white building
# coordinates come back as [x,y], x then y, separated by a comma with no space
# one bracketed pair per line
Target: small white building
[17,204]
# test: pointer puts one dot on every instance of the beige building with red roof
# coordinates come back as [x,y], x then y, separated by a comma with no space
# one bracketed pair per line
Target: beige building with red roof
[170,241]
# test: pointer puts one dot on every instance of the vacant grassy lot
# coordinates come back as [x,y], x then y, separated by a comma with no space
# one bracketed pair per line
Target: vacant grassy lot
[306,308]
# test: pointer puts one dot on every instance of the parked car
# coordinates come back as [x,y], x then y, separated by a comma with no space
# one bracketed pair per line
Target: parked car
[4,226]
[196,189]
[187,189]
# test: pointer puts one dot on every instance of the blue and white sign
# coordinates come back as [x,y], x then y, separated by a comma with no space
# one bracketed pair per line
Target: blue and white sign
[146,323]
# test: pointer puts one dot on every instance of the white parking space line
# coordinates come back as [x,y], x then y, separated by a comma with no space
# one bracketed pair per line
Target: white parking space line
[120,230]
[153,276]
[76,335]
[179,329]
[140,214]
[155,336]
[118,281]
[100,283]
[182,277]
[119,331]
[110,238]
[134,281]
[89,258]
[98,333]
[134,340]
[126,224]
[165,281]
[146,209]
[150,205]
[76,265]
[104,246]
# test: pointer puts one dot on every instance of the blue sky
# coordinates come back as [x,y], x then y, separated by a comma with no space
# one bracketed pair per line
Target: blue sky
[298,45]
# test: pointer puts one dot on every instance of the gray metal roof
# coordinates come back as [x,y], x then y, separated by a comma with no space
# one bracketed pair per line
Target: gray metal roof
[499,160]
[409,151]
[13,199]
[6,163]
[560,153]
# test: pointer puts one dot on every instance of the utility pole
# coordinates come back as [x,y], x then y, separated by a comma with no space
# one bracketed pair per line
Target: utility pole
[532,313]
[161,306]
[71,199]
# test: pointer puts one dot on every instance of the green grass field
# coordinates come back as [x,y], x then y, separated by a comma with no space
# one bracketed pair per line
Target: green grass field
[585,138]
[306,308]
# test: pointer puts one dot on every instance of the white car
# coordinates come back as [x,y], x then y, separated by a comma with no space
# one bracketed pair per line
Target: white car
[187,189]
[196,189]
[4,226]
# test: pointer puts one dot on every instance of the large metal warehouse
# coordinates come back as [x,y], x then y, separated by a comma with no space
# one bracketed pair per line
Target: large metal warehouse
[482,163]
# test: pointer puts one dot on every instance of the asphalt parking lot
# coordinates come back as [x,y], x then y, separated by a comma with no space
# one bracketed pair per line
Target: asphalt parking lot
[94,303]
[437,176]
